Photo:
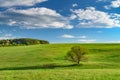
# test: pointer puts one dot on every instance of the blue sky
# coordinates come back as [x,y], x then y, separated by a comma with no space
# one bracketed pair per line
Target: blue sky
[61,21]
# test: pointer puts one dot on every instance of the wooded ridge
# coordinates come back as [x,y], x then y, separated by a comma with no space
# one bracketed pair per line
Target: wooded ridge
[22,41]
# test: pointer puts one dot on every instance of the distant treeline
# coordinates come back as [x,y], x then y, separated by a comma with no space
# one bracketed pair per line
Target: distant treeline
[22,41]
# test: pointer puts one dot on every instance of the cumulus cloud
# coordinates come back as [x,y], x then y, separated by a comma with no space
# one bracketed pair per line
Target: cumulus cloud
[87,40]
[113,4]
[90,17]
[34,18]
[9,3]
[72,17]
[74,5]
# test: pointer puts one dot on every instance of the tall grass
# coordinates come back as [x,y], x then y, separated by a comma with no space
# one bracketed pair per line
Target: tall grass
[46,62]
[64,74]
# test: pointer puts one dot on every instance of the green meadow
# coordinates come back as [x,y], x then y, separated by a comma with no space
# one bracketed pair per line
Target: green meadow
[47,62]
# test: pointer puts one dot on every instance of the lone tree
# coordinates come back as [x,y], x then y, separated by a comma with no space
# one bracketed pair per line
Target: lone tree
[76,54]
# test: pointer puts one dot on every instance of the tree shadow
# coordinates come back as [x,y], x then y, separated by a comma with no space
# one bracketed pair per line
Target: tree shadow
[44,66]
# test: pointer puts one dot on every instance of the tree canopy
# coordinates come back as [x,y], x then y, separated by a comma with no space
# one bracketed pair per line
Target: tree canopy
[76,54]
[22,41]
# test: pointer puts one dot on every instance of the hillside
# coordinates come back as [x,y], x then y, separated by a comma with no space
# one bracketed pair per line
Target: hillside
[22,41]
[46,62]
[100,55]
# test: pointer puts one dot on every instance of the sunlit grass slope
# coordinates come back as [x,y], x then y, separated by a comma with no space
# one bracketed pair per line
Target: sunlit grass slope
[46,62]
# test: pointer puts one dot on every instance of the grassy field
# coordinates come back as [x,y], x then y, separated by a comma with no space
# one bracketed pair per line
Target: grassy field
[46,62]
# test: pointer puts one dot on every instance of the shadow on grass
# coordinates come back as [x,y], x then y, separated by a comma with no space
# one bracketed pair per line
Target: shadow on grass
[45,66]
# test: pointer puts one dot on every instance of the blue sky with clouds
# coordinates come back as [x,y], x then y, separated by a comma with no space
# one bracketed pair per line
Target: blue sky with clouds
[61,21]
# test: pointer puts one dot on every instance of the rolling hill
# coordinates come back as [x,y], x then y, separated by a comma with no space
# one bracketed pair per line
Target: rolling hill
[47,62]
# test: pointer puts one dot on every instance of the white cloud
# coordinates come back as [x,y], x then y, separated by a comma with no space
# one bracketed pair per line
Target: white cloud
[87,40]
[2,38]
[90,17]
[83,37]
[107,7]
[114,41]
[7,36]
[35,18]
[73,17]
[103,0]
[113,4]
[11,22]
[74,5]
[36,11]
[67,36]
[9,3]
[72,36]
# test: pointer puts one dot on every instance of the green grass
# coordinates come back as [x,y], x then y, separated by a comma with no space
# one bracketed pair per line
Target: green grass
[57,74]
[46,62]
